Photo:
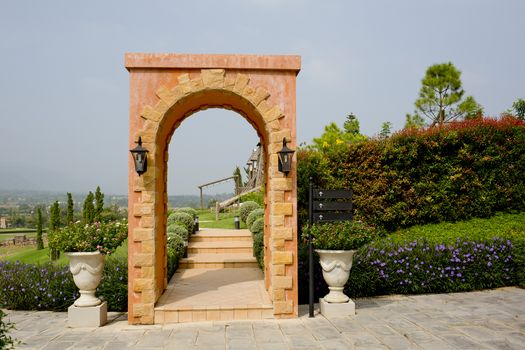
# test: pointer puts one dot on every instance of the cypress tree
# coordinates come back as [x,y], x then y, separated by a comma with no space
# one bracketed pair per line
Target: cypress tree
[39,241]
[88,212]
[54,224]
[99,204]
[70,208]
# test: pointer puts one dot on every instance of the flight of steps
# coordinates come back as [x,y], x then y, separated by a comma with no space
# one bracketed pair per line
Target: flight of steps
[210,249]
[219,280]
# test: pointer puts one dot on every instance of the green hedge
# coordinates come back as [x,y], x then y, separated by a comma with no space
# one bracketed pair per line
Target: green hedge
[464,170]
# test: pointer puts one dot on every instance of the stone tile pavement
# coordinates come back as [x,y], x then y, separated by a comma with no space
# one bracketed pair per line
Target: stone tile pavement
[492,319]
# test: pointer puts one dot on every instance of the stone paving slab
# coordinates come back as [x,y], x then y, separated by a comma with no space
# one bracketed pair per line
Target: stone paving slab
[492,319]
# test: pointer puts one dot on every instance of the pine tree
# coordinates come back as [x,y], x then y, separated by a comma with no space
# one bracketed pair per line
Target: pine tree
[88,212]
[70,209]
[39,241]
[99,204]
[54,224]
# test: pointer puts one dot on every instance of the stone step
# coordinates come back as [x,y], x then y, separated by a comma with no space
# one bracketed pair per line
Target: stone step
[218,261]
[195,295]
[220,247]
[218,235]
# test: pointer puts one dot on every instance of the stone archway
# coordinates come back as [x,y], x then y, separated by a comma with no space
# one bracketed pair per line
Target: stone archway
[164,90]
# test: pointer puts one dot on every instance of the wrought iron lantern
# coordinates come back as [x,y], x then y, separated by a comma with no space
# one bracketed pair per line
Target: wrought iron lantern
[285,158]
[140,157]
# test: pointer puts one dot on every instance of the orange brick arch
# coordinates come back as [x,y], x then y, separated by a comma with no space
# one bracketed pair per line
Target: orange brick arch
[164,90]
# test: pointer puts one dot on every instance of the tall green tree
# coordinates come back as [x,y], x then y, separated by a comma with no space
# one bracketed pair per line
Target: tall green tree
[441,96]
[386,130]
[238,180]
[39,240]
[70,209]
[88,211]
[333,137]
[54,225]
[99,204]
[518,108]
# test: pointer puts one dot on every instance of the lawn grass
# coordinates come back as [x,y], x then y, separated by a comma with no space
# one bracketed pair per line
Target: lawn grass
[30,255]
[226,220]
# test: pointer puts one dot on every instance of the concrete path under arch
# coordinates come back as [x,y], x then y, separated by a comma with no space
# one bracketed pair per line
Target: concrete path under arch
[492,319]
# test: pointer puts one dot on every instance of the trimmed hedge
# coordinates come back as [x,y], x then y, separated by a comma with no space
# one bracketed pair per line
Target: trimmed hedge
[258,241]
[175,251]
[183,219]
[254,215]
[179,230]
[187,210]
[246,209]
[460,171]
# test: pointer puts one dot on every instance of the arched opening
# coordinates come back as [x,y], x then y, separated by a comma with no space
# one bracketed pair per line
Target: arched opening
[165,90]
[219,277]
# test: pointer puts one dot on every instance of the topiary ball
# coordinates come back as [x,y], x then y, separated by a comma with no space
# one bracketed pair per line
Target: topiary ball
[246,209]
[179,230]
[254,215]
[257,226]
[181,218]
[188,210]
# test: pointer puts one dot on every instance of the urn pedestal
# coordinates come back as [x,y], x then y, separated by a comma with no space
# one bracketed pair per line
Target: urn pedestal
[87,310]
[336,265]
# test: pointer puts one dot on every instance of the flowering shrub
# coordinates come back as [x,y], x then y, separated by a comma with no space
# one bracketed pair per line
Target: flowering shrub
[51,287]
[80,237]
[446,257]
[463,170]
[418,266]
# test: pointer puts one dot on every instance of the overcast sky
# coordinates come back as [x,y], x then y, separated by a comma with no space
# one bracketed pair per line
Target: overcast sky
[64,88]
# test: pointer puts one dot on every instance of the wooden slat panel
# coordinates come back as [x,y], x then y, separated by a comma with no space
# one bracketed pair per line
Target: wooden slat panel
[322,206]
[324,217]
[331,194]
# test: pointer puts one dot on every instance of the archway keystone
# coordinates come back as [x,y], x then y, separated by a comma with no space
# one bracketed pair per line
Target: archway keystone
[164,90]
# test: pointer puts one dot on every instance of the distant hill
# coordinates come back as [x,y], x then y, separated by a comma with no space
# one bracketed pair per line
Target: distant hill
[14,198]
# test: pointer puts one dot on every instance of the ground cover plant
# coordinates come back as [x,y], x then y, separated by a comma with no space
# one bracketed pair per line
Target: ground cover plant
[6,342]
[437,258]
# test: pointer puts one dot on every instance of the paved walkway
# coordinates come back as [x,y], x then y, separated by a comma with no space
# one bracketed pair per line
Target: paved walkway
[493,319]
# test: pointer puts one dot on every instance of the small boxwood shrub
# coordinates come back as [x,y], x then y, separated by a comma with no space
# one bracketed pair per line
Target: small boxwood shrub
[246,209]
[257,226]
[254,215]
[179,230]
[187,210]
[175,252]
[258,241]
[183,219]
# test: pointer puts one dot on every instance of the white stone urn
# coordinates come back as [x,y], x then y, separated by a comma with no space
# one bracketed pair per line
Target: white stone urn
[336,265]
[86,268]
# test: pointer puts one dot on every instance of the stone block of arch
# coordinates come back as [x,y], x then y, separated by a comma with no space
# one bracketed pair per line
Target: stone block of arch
[164,90]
